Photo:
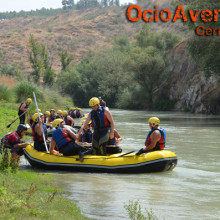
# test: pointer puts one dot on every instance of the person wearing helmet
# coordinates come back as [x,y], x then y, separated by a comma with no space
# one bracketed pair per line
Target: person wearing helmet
[156,138]
[59,114]
[36,110]
[24,107]
[68,119]
[64,139]
[13,141]
[103,124]
[38,129]
[46,119]
[52,115]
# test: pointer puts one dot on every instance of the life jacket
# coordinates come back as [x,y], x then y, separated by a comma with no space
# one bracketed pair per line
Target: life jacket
[52,117]
[57,116]
[161,143]
[61,137]
[67,122]
[27,105]
[87,136]
[10,139]
[99,119]
[36,137]
[77,113]
[73,114]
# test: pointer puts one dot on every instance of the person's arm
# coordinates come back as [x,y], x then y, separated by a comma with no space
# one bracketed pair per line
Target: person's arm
[111,120]
[21,145]
[71,134]
[71,119]
[88,119]
[155,137]
[52,146]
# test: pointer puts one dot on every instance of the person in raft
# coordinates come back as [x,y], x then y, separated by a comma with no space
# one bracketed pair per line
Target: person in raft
[64,139]
[86,136]
[52,115]
[24,107]
[46,119]
[68,119]
[38,128]
[156,138]
[117,138]
[13,141]
[103,124]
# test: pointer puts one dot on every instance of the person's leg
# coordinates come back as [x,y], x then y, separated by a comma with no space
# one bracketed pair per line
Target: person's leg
[82,151]
[95,143]
[69,149]
[103,141]
[22,119]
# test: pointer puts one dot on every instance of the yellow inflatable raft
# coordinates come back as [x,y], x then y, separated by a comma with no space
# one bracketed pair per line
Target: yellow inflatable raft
[156,161]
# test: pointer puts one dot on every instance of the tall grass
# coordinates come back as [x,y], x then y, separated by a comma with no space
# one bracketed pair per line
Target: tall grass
[5,93]
[47,98]
[25,90]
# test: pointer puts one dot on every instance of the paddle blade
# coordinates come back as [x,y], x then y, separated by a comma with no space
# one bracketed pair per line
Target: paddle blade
[8,126]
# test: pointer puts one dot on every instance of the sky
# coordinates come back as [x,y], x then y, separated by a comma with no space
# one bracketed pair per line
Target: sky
[27,5]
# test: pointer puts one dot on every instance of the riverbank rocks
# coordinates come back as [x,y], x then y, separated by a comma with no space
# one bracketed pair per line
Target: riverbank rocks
[193,92]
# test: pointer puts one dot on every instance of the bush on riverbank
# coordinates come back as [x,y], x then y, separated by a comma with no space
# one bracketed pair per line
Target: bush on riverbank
[135,212]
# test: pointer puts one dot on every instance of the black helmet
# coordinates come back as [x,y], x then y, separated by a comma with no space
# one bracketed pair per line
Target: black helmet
[21,128]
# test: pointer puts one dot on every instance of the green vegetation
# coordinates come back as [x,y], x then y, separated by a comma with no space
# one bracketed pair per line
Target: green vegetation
[127,75]
[67,5]
[40,63]
[204,49]
[4,93]
[43,12]
[29,195]
[135,212]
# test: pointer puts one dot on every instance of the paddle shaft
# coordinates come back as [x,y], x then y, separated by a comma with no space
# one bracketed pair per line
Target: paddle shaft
[16,119]
[45,143]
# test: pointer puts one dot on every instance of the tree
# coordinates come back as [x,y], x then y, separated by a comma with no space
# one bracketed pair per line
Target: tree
[35,59]
[68,4]
[65,59]
[40,63]
[148,67]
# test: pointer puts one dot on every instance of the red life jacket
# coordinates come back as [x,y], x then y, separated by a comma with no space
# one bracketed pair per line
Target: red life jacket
[36,137]
[10,139]
[161,143]
[68,122]
[27,105]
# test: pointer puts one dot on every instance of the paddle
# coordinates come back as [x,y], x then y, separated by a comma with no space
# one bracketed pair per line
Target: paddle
[45,143]
[8,126]
[122,155]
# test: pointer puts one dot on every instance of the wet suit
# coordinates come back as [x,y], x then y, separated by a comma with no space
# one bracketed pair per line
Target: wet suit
[101,131]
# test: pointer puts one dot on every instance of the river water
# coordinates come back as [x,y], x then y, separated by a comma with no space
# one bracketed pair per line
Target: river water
[190,191]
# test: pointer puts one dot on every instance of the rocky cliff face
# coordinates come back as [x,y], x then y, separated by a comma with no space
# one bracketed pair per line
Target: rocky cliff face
[189,87]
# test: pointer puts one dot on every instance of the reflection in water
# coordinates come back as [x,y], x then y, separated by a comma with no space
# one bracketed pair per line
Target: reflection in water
[190,191]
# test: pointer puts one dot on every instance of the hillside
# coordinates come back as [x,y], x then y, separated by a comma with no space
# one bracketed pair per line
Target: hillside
[80,31]
[75,30]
